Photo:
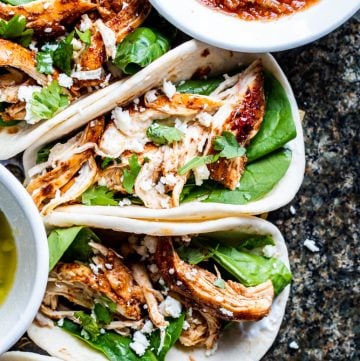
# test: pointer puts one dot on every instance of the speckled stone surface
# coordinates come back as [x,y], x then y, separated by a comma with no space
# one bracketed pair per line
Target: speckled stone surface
[323,311]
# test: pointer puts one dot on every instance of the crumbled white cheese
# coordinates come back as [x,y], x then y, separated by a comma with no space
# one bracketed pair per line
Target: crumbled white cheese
[171,271]
[77,44]
[102,331]
[105,83]
[147,185]
[122,119]
[160,188]
[292,210]
[85,23]
[186,325]
[181,125]
[269,251]
[108,266]
[150,96]
[150,242]
[169,89]
[102,182]
[179,283]
[310,244]
[60,322]
[47,30]
[46,5]
[148,327]
[201,173]
[169,179]
[226,312]
[212,351]
[170,307]
[294,345]
[25,94]
[109,38]
[205,119]
[125,202]
[165,203]
[95,268]
[87,74]
[125,5]
[153,268]
[65,81]
[140,343]
[136,101]
[33,47]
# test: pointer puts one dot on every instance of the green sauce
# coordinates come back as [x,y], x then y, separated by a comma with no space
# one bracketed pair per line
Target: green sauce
[7,258]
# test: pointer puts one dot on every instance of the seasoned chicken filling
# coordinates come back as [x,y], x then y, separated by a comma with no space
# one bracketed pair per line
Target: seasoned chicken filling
[150,149]
[144,286]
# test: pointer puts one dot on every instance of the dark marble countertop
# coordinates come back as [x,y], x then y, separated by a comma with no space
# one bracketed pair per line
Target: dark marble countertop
[322,314]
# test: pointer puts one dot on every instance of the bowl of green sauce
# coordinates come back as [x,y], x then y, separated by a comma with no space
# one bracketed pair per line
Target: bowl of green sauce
[23,260]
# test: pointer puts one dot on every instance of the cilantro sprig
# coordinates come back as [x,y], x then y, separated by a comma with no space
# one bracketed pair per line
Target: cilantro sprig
[98,196]
[15,29]
[131,174]
[227,147]
[163,134]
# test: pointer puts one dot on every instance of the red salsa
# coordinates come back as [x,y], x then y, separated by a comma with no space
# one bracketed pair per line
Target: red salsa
[259,9]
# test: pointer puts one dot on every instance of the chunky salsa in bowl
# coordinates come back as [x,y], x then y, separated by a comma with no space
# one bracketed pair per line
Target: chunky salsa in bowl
[256,26]
[259,9]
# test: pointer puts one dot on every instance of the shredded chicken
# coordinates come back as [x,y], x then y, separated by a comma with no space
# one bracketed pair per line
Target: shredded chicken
[202,329]
[234,303]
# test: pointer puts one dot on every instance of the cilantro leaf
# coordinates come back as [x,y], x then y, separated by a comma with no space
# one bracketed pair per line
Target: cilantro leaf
[131,173]
[62,56]
[105,162]
[46,102]
[162,134]
[228,146]
[88,324]
[85,36]
[15,29]
[43,154]
[98,196]
[196,162]
[44,62]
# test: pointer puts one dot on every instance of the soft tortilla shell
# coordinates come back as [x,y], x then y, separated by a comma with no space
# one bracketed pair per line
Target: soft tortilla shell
[248,341]
[179,64]
[25,356]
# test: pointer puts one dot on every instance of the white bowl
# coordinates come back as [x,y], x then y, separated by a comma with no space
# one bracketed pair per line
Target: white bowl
[230,32]
[24,298]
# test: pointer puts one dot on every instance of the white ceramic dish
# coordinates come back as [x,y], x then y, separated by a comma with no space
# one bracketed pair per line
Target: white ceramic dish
[230,32]
[23,301]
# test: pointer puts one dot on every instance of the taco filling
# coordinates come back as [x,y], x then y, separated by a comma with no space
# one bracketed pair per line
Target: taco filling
[216,140]
[53,52]
[141,294]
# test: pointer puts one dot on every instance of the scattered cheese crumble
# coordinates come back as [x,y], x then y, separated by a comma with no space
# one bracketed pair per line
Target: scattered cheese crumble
[169,89]
[170,307]
[65,81]
[310,244]
[140,343]
[294,345]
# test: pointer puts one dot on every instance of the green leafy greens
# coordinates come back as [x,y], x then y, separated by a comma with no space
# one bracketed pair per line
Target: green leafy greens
[15,29]
[49,100]
[201,87]
[44,62]
[98,196]
[131,173]
[163,134]
[17,2]
[90,329]
[139,49]
[85,36]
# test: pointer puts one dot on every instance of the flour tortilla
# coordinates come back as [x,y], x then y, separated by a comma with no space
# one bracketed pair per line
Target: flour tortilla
[180,64]
[248,340]
[25,356]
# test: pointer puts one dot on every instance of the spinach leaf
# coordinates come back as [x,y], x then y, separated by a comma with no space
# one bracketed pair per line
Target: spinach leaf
[139,49]
[259,178]
[15,29]
[59,241]
[256,242]
[43,154]
[72,243]
[11,123]
[251,269]
[278,126]
[79,249]
[228,146]
[163,134]
[49,100]
[103,315]
[172,334]
[193,255]
[115,347]
[98,196]
[131,173]
[197,162]
[201,87]
[106,162]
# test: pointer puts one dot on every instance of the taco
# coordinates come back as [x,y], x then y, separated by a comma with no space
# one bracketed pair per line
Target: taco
[53,53]
[203,126]
[150,296]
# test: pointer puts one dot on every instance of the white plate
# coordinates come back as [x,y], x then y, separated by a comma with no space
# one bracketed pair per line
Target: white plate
[230,32]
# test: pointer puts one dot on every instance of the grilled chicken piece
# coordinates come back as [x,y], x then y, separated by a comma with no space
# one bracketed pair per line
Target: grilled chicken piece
[204,329]
[82,285]
[183,104]
[47,186]
[48,14]
[244,122]
[151,295]
[12,77]
[233,303]
[16,56]
[14,112]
